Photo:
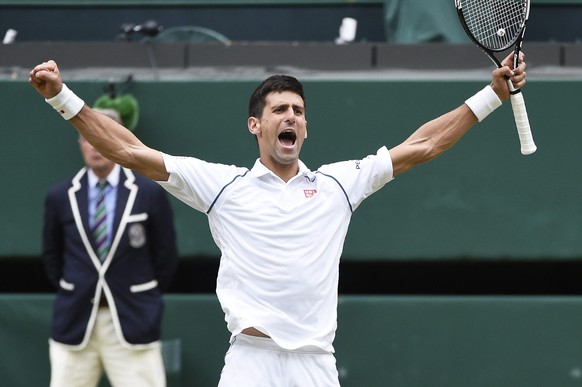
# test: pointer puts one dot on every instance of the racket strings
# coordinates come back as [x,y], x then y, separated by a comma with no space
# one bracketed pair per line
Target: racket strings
[496,24]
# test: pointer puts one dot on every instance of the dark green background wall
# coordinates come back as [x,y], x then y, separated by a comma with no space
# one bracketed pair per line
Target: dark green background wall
[260,20]
[406,342]
[482,199]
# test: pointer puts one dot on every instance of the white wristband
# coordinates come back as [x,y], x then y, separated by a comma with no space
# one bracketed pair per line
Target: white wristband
[67,103]
[483,103]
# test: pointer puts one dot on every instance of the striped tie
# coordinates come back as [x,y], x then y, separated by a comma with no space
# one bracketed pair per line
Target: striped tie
[100,222]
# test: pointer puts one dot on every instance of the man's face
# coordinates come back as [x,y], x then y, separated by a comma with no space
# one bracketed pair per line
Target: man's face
[94,160]
[281,130]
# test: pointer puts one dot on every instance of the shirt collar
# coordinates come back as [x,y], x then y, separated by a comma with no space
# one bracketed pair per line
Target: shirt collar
[112,178]
[260,170]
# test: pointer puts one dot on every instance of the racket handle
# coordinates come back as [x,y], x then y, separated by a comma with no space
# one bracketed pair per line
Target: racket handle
[522,122]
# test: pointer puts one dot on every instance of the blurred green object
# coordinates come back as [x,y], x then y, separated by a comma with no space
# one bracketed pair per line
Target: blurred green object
[125,104]
[414,22]
[190,34]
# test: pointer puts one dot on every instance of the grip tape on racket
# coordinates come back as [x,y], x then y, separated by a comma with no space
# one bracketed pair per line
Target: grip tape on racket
[522,122]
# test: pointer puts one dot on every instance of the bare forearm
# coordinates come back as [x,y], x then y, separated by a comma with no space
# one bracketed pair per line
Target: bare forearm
[107,136]
[118,144]
[432,139]
[440,134]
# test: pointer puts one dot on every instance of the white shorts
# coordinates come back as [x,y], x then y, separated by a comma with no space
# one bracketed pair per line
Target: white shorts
[260,362]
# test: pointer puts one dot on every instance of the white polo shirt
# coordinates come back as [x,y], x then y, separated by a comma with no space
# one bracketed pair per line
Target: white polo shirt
[280,242]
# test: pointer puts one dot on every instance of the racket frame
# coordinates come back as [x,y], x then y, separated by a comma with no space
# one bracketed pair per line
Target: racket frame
[526,139]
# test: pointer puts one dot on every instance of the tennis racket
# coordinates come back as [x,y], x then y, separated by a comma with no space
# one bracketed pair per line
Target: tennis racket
[495,26]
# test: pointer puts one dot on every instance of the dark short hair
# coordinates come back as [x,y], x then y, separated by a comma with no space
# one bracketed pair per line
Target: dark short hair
[273,83]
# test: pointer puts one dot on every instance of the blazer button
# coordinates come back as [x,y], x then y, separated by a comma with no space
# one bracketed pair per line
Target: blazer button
[92,300]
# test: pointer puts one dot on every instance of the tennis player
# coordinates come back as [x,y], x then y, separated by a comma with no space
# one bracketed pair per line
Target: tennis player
[280,226]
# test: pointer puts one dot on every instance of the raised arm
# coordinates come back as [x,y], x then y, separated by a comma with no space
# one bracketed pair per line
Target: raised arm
[436,136]
[112,140]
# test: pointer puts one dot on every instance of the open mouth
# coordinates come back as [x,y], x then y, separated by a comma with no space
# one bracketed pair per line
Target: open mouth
[287,138]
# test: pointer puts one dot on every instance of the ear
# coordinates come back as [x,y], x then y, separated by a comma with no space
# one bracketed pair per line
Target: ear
[254,125]
[305,129]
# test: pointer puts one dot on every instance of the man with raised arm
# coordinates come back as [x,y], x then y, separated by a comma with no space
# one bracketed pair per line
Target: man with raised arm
[279,225]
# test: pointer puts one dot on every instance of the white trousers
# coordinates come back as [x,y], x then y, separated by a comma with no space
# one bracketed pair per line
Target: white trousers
[124,367]
[260,362]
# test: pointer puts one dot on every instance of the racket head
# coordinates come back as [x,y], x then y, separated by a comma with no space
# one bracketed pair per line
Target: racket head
[494,25]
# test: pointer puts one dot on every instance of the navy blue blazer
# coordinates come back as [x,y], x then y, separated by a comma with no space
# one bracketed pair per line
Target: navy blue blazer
[140,264]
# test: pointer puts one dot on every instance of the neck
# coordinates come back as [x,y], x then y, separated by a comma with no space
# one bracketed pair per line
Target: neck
[102,173]
[284,171]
